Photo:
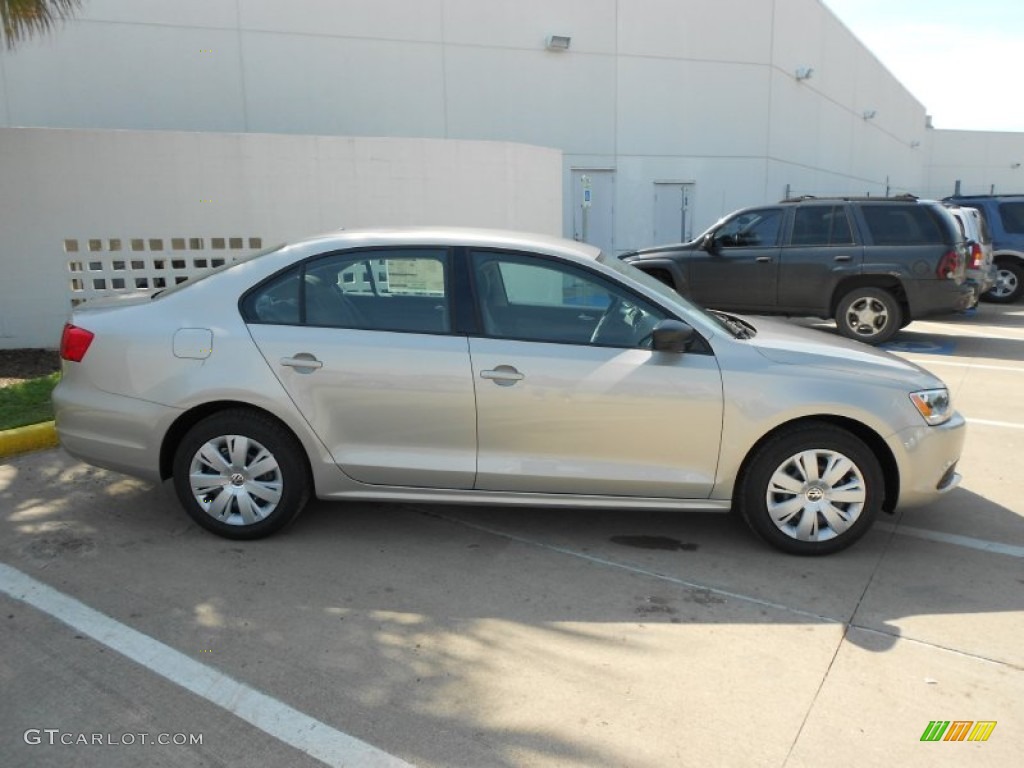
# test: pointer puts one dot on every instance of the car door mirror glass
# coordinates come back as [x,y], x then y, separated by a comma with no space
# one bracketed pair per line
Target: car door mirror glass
[671,336]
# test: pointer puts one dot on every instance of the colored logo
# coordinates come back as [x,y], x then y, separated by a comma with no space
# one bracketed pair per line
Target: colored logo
[958,730]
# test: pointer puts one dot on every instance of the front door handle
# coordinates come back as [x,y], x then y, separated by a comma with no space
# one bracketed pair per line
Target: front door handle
[503,375]
[302,362]
[763,259]
[842,258]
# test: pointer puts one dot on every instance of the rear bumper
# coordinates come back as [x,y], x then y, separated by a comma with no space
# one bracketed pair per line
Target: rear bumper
[111,431]
[927,458]
[937,297]
[981,280]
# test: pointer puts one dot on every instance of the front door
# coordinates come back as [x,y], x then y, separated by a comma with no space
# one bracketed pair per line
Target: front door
[739,269]
[571,399]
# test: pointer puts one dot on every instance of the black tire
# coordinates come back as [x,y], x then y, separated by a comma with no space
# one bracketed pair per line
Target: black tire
[1009,283]
[799,509]
[255,505]
[871,315]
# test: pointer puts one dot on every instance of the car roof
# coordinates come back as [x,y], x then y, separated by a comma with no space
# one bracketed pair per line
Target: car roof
[451,236]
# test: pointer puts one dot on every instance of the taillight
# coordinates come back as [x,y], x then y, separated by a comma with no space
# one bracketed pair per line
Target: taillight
[74,342]
[948,265]
[976,257]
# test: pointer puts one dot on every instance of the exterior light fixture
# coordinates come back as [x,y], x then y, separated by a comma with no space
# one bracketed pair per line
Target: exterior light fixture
[1015,166]
[804,73]
[870,114]
[558,42]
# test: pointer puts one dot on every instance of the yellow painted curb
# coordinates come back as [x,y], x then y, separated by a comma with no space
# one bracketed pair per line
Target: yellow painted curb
[24,439]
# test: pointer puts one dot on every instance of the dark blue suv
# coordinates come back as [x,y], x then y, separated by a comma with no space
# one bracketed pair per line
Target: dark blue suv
[1005,217]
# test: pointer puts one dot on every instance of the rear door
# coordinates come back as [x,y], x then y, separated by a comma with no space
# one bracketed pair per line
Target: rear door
[362,343]
[820,251]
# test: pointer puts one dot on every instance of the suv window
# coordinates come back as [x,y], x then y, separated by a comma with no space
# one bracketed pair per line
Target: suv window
[751,229]
[1012,215]
[821,225]
[892,224]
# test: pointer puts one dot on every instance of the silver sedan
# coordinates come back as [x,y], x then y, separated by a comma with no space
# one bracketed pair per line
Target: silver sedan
[485,367]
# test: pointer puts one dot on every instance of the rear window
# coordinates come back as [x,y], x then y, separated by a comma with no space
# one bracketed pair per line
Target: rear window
[1012,215]
[904,225]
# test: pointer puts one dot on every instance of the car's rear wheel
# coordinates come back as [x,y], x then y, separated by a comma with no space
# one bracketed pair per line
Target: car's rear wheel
[812,490]
[241,475]
[1009,283]
[871,315]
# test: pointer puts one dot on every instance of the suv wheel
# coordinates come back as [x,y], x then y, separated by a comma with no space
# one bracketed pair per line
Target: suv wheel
[241,475]
[811,490]
[1009,283]
[871,315]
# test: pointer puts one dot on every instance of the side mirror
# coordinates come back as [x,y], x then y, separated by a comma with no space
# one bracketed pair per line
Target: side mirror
[671,336]
[709,244]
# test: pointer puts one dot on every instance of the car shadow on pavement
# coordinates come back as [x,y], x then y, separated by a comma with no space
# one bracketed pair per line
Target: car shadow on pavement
[457,617]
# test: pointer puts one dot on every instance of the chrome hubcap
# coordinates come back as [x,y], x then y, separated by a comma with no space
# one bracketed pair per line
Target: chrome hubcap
[867,316]
[235,480]
[1006,283]
[816,495]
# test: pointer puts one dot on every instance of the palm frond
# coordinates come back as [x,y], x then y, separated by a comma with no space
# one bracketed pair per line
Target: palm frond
[21,19]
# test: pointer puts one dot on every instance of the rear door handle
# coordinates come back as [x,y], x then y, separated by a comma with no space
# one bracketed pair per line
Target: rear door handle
[503,375]
[303,362]
[763,259]
[842,258]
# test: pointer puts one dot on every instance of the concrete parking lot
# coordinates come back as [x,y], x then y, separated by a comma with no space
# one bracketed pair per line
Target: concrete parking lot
[383,634]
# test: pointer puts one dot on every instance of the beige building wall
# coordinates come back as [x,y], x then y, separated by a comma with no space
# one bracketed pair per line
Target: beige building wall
[135,210]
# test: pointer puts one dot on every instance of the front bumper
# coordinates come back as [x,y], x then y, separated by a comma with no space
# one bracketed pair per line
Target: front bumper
[927,458]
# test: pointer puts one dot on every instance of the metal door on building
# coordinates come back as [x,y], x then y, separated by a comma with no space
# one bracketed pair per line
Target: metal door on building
[673,206]
[593,207]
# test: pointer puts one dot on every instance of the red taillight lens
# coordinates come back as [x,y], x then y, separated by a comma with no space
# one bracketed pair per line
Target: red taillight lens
[74,342]
[976,257]
[948,265]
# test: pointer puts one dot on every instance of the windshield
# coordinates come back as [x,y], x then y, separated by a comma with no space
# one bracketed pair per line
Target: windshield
[671,297]
[227,265]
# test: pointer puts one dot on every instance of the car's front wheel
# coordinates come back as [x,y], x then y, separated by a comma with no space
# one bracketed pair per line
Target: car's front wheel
[871,315]
[241,475]
[1009,283]
[811,490]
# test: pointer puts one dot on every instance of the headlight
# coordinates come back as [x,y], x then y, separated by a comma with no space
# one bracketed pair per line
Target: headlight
[934,405]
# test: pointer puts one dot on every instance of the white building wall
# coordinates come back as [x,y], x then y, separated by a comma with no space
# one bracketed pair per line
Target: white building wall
[684,91]
[63,189]
[983,162]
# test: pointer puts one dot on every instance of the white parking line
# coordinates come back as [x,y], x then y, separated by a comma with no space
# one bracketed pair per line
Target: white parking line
[271,716]
[980,366]
[990,423]
[954,538]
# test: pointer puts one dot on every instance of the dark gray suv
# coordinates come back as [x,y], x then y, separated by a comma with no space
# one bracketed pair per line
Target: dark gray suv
[873,264]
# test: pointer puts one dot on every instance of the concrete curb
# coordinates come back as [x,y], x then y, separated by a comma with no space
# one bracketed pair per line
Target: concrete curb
[34,437]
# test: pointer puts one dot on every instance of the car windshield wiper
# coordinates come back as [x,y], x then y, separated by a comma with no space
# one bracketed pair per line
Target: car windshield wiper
[739,328]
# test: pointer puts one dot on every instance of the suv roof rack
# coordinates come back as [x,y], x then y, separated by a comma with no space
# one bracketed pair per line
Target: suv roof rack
[983,197]
[854,198]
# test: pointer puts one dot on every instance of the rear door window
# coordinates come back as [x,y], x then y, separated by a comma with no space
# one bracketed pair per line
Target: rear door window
[1012,215]
[821,225]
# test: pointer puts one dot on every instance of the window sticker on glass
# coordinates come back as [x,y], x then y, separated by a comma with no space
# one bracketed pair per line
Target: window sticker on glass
[415,277]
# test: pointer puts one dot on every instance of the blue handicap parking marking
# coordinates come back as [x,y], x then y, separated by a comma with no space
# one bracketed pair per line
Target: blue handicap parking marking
[921,347]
